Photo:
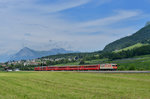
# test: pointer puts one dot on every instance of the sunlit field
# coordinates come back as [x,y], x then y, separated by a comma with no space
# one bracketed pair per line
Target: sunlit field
[73,85]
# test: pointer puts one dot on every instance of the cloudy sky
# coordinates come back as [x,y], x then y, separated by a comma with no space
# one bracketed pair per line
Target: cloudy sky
[82,25]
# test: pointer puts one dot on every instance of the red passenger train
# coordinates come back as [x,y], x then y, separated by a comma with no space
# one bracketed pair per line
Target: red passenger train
[77,68]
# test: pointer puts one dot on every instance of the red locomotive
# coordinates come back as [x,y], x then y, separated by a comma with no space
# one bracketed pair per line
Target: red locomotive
[77,68]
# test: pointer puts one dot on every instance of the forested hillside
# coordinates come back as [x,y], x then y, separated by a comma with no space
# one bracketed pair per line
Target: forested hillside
[141,36]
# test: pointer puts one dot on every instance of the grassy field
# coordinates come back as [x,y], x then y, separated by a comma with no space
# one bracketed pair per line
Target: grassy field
[73,85]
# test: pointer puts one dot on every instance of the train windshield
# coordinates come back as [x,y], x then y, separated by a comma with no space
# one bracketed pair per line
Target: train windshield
[115,65]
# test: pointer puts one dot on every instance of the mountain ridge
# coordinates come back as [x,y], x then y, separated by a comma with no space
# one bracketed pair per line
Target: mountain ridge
[141,36]
[28,54]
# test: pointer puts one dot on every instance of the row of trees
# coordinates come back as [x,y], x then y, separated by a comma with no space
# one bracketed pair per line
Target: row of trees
[62,61]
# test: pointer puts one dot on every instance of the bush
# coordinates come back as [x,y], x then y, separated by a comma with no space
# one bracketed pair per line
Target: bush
[81,62]
[121,68]
[132,68]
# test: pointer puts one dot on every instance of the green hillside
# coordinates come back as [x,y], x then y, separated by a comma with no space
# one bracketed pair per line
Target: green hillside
[141,36]
[131,47]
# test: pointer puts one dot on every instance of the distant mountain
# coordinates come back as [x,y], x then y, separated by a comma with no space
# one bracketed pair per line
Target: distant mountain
[27,53]
[141,36]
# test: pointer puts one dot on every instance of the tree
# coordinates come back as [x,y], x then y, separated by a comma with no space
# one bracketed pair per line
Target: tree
[82,62]
[48,62]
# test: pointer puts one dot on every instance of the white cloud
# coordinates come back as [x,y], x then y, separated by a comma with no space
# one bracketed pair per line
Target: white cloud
[63,5]
[121,15]
[45,8]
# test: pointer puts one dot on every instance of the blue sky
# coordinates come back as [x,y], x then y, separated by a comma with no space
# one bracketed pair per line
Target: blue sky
[83,25]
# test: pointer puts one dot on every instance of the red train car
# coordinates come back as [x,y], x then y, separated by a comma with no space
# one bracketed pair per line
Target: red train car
[77,68]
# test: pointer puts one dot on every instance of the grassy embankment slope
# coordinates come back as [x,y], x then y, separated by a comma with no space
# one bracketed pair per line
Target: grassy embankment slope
[72,85]
[137,62]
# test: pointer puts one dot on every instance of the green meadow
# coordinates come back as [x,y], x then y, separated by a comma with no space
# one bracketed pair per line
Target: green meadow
[132,47]
[73,85]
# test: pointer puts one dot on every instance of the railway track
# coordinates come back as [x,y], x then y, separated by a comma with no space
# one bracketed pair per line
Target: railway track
[104,71]
[114,71]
